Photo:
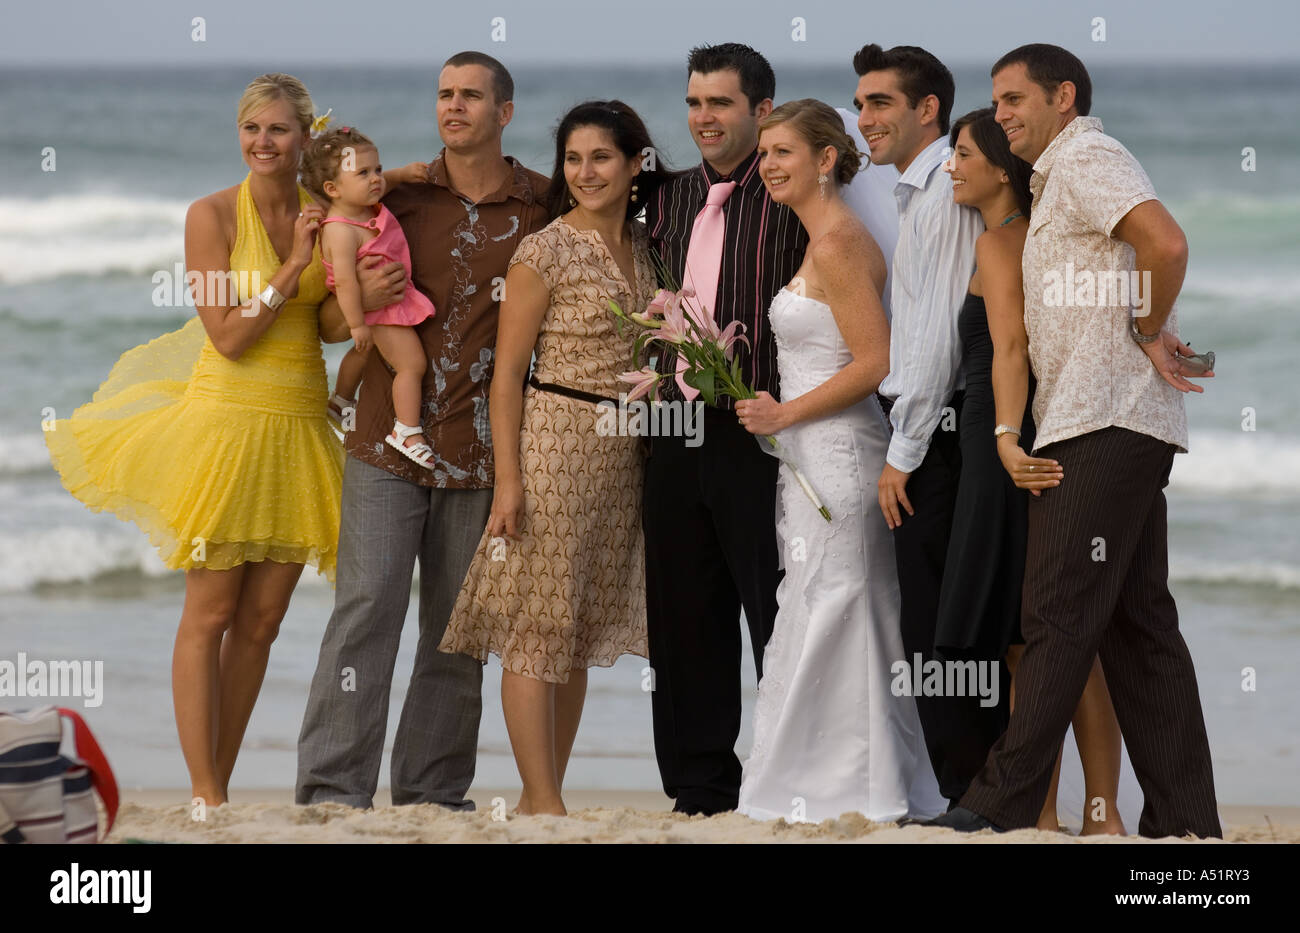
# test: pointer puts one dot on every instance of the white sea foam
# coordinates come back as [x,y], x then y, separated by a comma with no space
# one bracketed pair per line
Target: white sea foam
[23,453]
[1253,462]
[69,554]
[72,555]
[87,234]
[1242,573]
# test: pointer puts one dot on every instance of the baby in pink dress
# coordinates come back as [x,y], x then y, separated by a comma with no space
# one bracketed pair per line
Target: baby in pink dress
[342,168]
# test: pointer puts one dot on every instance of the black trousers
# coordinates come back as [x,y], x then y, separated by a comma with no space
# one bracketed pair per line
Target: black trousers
[958,731]
[710,547]
[1097,583]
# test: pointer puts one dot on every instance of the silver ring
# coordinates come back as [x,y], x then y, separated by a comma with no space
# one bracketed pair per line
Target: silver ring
[1031,468]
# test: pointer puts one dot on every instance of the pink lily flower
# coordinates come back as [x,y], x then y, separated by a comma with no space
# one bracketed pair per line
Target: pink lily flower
[659,303]
[730,337]
[642,381]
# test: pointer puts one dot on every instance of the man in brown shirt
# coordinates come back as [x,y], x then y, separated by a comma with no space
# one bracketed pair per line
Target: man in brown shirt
[462,225]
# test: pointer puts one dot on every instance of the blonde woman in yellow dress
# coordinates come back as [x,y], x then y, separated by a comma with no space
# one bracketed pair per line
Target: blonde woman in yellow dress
[214,438]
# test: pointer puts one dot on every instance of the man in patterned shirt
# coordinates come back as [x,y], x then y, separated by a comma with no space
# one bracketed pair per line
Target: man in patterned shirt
[463,224]
[1109,410]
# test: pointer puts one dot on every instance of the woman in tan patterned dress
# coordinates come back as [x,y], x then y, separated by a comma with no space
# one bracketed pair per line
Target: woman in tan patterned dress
[557,584]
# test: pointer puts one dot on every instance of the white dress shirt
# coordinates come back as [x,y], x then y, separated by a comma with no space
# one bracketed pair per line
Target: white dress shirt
[871,197]
[932,267]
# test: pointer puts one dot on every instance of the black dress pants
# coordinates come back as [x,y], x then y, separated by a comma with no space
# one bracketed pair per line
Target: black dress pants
[1097,583]
[958,730]
[710,546]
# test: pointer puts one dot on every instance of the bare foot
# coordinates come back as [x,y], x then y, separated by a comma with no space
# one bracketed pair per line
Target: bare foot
[554,807]
[210,798]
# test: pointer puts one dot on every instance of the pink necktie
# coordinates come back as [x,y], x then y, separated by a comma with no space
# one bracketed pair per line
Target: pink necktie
[703,262]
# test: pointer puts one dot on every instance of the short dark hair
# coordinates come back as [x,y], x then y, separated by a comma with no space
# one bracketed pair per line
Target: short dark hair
[503,86]
[992,142]
[1048,66]
[757,81]
[920,74]
[630,137]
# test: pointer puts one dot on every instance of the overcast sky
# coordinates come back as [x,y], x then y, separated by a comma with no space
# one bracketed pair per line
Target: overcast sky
[145,32]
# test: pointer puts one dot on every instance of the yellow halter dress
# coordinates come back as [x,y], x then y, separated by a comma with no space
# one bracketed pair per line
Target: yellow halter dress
[219,462]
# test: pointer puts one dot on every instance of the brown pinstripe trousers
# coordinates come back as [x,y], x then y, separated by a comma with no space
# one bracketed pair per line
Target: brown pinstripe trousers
[1075,607]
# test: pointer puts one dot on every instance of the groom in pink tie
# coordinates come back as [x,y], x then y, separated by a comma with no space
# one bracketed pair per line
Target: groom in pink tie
[709,515]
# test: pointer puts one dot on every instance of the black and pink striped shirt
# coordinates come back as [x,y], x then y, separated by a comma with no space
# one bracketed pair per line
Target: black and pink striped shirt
[763,249]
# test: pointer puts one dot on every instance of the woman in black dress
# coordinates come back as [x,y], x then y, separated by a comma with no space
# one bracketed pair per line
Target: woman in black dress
[979,603]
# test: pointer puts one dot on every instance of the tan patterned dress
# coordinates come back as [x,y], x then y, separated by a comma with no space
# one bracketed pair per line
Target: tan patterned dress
[571,592]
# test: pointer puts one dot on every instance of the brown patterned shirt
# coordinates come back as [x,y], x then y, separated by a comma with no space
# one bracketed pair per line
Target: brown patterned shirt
[459,255]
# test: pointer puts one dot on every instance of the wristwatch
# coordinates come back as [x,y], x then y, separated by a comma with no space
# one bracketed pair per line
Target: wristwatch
[271,298]
[1005,429]
[1137,335]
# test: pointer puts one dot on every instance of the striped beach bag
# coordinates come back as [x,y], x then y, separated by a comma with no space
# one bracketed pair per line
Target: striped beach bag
[46,796]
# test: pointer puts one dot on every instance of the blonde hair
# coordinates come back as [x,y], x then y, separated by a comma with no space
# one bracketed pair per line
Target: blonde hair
[268,88]
[819,125]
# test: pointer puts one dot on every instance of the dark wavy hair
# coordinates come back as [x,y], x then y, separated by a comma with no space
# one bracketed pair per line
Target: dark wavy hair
[992,142]
[630,138]
[920,74]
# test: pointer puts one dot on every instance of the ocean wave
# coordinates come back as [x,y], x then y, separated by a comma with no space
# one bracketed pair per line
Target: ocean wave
[1250,573]
[48,238]
[71,555]
[23,453]
[1252,462]
[1242,290]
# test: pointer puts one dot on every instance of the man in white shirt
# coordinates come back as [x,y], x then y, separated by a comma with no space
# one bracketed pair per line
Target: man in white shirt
[904,98]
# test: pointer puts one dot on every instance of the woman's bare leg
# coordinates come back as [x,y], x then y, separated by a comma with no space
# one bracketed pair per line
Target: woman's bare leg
[211,598]
[569,699]
[263,601]
[529,707]
[1096,730]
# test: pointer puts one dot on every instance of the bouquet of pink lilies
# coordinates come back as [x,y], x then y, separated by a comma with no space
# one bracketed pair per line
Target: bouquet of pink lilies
[711,364]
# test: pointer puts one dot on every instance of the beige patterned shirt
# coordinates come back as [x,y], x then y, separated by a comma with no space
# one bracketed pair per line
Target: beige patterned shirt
[1081,287]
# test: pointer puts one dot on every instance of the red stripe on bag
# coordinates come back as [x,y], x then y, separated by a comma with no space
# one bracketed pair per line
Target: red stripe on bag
[101,775]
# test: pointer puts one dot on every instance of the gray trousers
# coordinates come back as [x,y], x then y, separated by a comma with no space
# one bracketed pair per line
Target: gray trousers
[387,523]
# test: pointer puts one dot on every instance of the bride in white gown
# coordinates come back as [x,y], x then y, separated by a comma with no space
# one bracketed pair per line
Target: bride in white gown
[829,735]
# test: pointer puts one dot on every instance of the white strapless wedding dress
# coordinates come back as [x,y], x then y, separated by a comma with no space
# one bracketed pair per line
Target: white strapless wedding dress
[829,735]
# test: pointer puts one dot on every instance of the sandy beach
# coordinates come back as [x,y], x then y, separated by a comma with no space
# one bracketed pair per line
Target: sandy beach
[596,816]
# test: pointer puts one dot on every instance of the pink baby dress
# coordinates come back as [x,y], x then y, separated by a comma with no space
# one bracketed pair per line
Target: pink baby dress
[391,245]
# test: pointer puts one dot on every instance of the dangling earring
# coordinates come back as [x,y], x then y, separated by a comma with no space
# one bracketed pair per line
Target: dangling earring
[571,201]
[821,183]
[633,193]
